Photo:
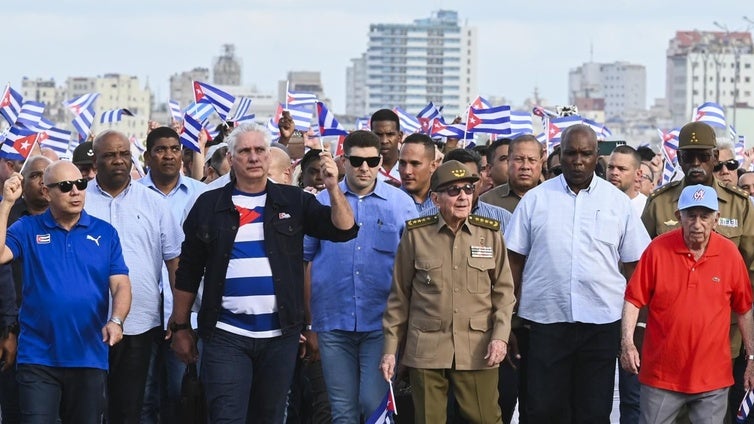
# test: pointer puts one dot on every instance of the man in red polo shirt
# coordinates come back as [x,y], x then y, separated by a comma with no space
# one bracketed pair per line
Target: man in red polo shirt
[690,279]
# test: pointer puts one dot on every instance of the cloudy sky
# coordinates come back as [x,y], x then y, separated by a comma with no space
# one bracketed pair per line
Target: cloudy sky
[522,44]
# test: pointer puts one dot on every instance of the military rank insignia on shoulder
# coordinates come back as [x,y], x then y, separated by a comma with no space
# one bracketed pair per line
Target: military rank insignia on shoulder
[735,190]
[481,221]
[663,189]
[422,222]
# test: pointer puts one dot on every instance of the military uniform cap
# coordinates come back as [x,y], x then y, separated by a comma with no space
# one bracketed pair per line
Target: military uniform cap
[450,172]
[696,135]
[83,154]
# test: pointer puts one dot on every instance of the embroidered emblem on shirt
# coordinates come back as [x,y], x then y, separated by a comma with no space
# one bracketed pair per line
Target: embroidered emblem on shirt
[43,239]
[481,252]
[728,222]
[283,215]
[670,223]
[92,238]
[715,279]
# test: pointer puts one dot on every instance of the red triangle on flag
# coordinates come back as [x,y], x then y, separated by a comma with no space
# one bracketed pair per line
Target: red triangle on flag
[23,144]
[339,149]
[198,92]
[473,120]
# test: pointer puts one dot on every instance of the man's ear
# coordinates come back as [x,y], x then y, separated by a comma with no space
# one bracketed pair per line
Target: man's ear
[678,215]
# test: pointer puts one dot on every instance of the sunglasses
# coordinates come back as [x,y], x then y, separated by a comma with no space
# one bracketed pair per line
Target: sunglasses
[66,186]
[731,164]
[356,161]
[454,191]
[688,156]
[556,170]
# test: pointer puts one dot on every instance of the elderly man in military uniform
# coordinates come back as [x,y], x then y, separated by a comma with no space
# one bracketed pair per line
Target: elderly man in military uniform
[697,156]
[452,299]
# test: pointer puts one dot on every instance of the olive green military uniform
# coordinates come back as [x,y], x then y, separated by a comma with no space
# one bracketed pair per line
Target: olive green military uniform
[501,196]
[452,294]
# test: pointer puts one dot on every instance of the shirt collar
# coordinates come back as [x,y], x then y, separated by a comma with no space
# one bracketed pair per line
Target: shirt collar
[49,221]
[443,224]
[589,189]
[121,194]
[149,182]
[380,189]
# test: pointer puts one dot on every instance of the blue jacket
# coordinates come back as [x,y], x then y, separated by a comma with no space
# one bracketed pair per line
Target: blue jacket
[211,228]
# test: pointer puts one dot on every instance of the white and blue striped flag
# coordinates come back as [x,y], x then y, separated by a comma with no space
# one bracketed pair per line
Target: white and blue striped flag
[409,123]
[299,98]
[175,110]
[242,110]
[494,120]
[219,99]
[10,104]
[190,133]
[521,123]
[114,115]
[712,114]
[328,125]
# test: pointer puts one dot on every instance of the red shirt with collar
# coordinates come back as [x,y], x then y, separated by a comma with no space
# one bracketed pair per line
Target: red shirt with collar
[686,345]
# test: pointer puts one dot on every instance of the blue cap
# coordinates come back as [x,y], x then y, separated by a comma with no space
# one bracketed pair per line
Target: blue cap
[698,195]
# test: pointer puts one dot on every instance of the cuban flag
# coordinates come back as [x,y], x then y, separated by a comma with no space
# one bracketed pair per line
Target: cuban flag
[409,124]
[57,140]
[740,147]
[298,98]
[670,142]
[521,123]
[440,129]
[242,110]
[480,103]
[79,104]
[18,143]
[10,104]
[745,408]
[495,120]
[543,113]
[328,125]
[31,113]
[427,115]
[114,115]
[670,171]
[542,138]
[190,132]
[83,111]
[301,115]
[386,410]
[220,100]
[599,129]
[711,113]
[556,127]
[272,127]
[175,110]
[363,124]
[200,111]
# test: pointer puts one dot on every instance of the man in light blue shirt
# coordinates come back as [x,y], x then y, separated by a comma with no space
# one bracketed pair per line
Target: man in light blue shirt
[164,160]
[566,241]
[350,282]
[150,237]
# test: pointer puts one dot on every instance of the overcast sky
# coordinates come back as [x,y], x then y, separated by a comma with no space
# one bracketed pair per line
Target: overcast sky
[522,44]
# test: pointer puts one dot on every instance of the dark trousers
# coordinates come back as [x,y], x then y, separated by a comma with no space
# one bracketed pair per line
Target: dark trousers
[512,385]
[129,363]
[9,397]
[572,372]
[630,394]
[247,380]
[77,395]
[307,401]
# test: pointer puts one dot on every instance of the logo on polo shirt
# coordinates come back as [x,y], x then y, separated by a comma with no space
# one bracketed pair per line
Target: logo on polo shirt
[43,239]
[716,279]
[92,238]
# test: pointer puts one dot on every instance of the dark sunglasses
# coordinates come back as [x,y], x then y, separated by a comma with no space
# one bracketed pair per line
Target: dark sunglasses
[66,186]
[731,164]
[454,191]
[356,161]
[556,170]
[688,156]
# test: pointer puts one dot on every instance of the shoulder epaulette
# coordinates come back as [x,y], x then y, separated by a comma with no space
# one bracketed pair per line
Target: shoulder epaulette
[421,222]
[481,221]
[734,189]
[663,189]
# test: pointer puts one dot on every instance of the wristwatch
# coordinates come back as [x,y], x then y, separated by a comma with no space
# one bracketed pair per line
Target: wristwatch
[116,320]
[174,326]
[750,357]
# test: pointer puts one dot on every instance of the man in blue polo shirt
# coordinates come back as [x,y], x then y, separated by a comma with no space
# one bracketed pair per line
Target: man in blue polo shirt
[70,260]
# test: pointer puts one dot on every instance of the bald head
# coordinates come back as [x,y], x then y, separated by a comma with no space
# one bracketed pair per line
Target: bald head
[34,163]
[280,166]
[61,171]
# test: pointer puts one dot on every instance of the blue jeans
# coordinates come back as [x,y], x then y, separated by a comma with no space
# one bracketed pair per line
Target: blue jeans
[630,389]
[76,394]
[351,365]
[244,375]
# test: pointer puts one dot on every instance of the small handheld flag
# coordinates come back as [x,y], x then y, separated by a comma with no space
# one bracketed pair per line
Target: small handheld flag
[745,408]
[386,410]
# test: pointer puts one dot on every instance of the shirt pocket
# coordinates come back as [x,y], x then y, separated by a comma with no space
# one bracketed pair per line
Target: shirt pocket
[386,239]
[479,335]
[607,229]
[289,237]
[478,275]
[426,338]
[428,275]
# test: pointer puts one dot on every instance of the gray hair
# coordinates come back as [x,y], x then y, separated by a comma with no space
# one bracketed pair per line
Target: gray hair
[726,146]
[249,127]
[31,161]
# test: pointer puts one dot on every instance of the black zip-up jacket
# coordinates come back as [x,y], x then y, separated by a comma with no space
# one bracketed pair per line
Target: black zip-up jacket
[211,228]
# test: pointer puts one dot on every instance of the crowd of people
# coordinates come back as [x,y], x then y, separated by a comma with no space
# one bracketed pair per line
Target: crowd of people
[303,288]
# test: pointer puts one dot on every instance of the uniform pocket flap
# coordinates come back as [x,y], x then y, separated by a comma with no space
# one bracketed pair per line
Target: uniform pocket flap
[480,323]
[482,264]
[427,324]
[426,265]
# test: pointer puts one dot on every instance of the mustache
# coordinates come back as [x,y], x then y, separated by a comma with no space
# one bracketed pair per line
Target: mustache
[697,169]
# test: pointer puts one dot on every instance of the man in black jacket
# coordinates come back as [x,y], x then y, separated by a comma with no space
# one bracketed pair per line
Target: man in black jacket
[246,240]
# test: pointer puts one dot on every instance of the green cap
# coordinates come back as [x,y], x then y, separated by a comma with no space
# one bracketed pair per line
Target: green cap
[696,135]
[450,172]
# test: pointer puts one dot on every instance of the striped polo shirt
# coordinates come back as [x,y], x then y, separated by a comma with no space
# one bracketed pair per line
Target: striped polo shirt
[249,305]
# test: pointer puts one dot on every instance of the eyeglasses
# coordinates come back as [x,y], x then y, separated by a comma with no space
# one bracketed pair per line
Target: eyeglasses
[66,186]
[731,164]
[556,170]
[356,161]
[688,156]
[454,191]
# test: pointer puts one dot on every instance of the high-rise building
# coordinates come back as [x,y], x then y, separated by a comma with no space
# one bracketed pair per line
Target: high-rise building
[227,68]
[118,91]
[408,65]
[617,88]
[44,91]
[704,66]
[356,85]
[306,81]
[182,85]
